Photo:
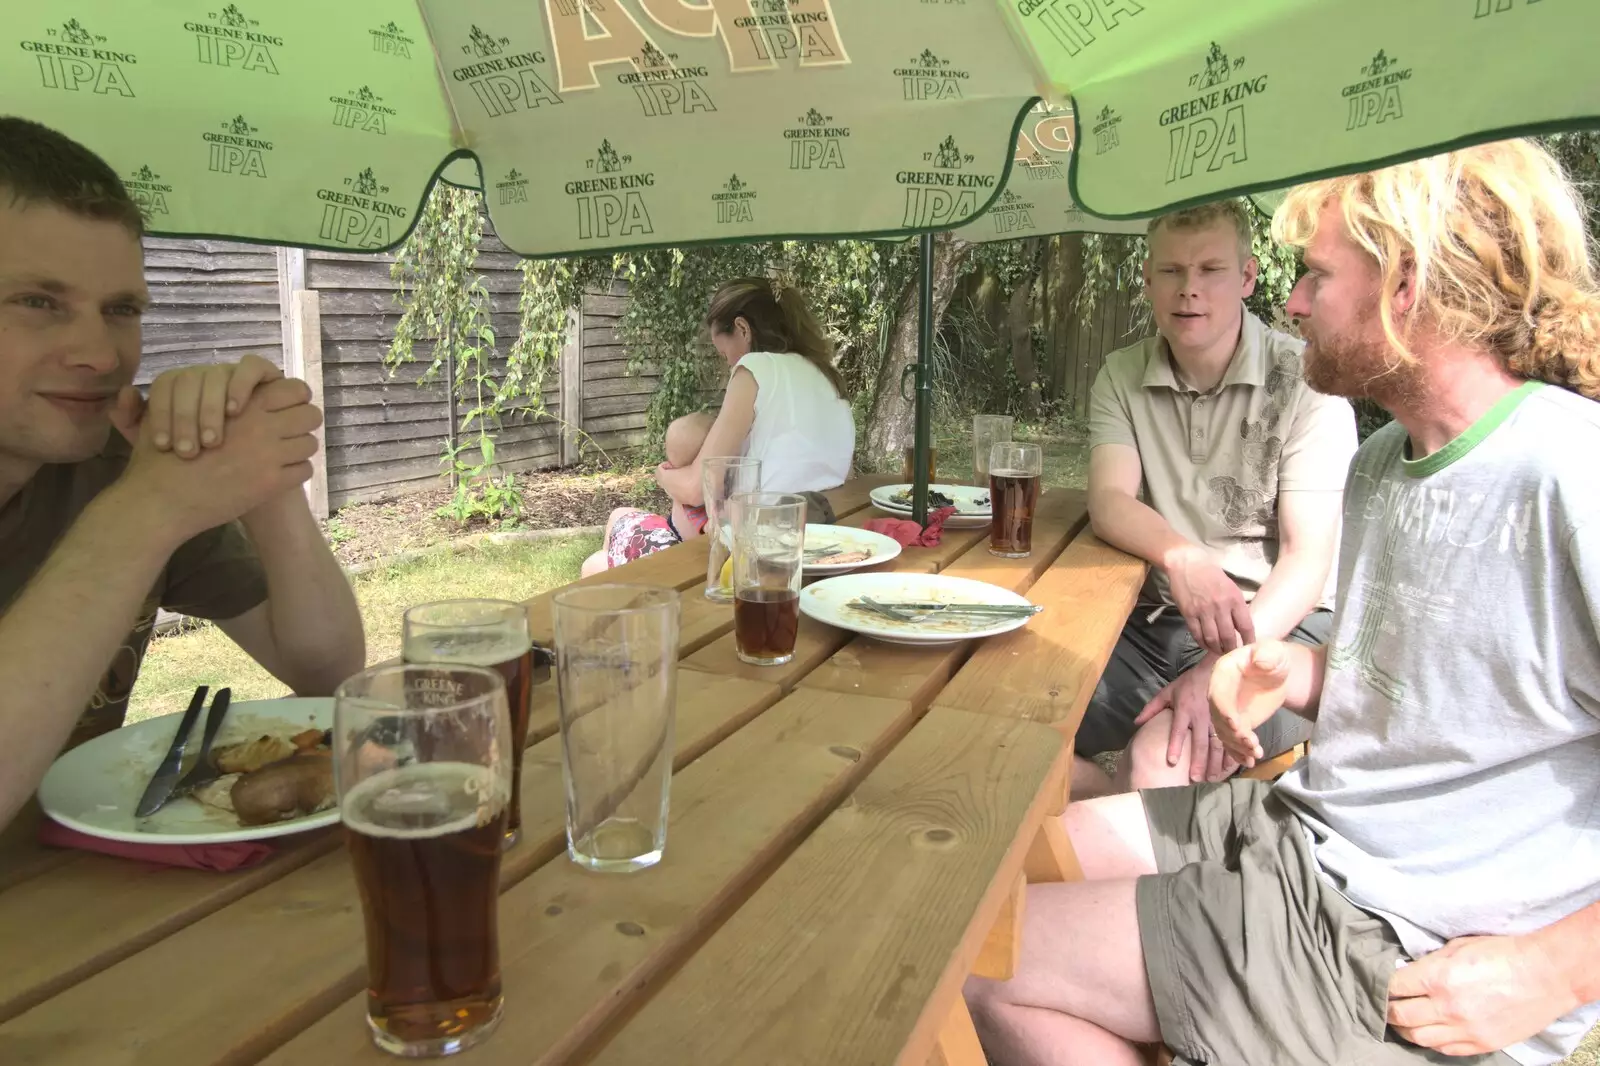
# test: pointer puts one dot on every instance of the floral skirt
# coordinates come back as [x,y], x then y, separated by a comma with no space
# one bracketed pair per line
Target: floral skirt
[636,533]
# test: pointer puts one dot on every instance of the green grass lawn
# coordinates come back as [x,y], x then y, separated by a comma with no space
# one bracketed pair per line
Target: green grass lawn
[1065,451]
[204,656]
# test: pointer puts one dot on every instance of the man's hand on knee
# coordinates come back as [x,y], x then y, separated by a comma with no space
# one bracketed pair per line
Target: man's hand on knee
[1188,700]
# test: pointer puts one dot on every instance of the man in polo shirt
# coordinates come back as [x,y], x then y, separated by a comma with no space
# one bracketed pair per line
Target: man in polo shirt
[1241,467]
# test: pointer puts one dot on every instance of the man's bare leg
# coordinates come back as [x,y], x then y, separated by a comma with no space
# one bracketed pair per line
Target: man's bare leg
[1080,994]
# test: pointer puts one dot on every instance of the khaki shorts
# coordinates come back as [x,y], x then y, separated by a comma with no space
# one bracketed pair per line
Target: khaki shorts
[1253,959]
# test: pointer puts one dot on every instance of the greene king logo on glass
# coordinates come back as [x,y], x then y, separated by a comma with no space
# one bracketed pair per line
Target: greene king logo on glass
[611,201]
[228,38]
[390,40]
[927,77]
[148,191]
[503,80]
[735,203]
[513,189]
[815,143]
[1207,130]
[237,149]
[663,88]
[1375,99]
[944,194]
[70,57]
[362,109]
[357,216]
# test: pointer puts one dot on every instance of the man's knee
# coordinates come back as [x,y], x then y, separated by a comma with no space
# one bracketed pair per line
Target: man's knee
[1146,756]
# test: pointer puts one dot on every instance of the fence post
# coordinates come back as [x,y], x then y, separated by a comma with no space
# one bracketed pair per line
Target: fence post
[306,321]
[571,371]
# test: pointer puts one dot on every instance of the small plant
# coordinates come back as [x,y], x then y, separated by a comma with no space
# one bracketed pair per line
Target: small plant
[338,532]
[479,494]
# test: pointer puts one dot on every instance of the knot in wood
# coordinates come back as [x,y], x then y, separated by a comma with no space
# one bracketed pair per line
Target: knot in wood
[853,754]
[630,929]
[938,837]
[553,910]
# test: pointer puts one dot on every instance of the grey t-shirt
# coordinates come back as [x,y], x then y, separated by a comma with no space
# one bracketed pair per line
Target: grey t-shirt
[1453,780]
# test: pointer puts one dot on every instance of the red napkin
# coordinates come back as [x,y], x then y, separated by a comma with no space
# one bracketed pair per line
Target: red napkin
[908,533]
[218,858]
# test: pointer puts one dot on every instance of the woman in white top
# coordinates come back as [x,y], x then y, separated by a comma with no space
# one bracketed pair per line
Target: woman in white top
[784,405]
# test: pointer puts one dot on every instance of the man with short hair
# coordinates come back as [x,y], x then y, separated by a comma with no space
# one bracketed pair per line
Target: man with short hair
[1241,467]
[192,502]
[1425,886]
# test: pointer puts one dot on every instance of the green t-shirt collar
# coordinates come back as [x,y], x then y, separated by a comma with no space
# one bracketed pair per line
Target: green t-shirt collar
[1472,436]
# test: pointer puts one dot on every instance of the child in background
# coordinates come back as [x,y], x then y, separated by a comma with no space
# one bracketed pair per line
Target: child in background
[684,439]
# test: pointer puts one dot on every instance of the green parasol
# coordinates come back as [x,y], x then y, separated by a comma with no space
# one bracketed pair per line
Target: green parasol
[600,124]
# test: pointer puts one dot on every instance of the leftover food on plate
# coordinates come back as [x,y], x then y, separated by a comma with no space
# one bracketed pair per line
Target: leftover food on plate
[272,778]
[936,499]
[844,558]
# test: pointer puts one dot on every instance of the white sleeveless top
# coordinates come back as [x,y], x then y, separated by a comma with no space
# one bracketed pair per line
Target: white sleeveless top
[804,433]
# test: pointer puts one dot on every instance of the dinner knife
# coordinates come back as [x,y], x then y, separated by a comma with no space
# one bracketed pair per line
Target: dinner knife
[167,774]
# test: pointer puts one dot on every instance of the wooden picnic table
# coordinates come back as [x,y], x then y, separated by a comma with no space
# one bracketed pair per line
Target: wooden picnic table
[850,836]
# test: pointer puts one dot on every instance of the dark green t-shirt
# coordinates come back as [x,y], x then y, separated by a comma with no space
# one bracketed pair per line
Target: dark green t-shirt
[216,575]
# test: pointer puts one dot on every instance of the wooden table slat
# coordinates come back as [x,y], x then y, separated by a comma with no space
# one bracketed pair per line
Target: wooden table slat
[1057,519]
[821,960]
[574,944]
[1046,671]
[275,961]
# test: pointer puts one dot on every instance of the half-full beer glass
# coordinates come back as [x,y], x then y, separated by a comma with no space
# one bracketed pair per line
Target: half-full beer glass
[492,634]
[422,760]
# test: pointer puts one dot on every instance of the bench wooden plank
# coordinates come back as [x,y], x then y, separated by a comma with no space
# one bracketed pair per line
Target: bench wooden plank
[277,960]
[62,926]
[881,911]
[577,949]
[1046,671]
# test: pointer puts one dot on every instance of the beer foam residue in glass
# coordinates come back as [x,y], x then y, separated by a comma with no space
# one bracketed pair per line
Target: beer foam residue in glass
[487,650]
[424,800]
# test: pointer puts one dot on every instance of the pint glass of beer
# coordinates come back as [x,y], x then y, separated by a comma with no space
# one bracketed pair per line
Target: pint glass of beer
[422,761]
[769,532]
[492,634]
[722,478]
[1014,471]
[987,431]
[617,679]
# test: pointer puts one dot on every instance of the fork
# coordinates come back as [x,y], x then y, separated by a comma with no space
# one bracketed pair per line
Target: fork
[204,770]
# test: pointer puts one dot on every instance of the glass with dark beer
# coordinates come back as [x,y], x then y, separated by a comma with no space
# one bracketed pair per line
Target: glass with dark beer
[769,531]
[422,761]
[1014,471]
[491,634]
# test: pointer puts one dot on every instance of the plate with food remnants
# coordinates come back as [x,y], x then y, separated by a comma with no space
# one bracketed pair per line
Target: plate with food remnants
[917,609]
[970,501]
[277,778]
[840,549]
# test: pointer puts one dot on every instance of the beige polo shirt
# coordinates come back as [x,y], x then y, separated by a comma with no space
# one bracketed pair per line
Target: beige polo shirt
[1215,462]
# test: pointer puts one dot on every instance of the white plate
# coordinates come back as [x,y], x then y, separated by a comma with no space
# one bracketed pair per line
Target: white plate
[825,601]
[849,539]
[95,787]
[969,513]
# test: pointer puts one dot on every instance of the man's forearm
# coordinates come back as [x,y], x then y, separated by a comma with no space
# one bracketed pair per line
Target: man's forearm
[1572,946]
[1122,521]
[1290,592]
[316,625]
[1303,692]
[59,636]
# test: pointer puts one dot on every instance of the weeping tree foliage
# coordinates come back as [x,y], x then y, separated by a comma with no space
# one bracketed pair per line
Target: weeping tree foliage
[446,320]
